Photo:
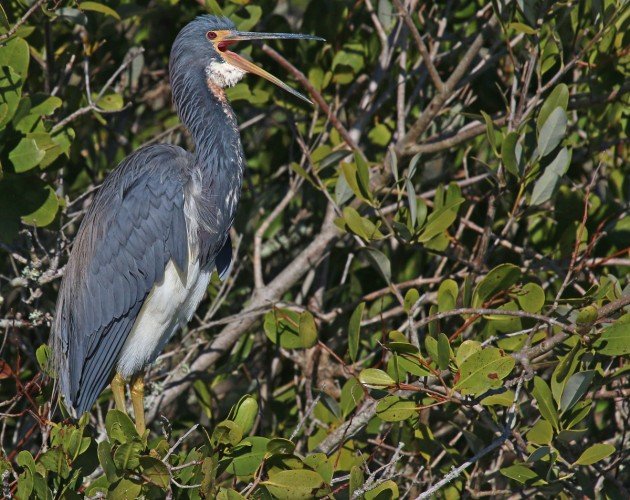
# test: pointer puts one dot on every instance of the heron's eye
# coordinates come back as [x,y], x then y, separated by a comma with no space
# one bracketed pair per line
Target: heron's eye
[211,35]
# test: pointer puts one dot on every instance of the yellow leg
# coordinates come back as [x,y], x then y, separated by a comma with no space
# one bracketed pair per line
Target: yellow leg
[137,400]
[118,389]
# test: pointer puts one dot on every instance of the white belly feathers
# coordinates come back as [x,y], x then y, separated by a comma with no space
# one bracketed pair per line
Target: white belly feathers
[169,306]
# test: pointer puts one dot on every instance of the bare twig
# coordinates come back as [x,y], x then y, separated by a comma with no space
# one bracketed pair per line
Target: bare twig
[22,20]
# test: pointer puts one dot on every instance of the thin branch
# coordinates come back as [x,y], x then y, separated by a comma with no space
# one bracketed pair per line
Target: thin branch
[317,97]
[91,105]
[439,100]
[22,20]
[422,48]
[456,472]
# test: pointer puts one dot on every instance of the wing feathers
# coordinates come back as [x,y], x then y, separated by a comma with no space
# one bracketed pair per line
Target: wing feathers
[135,225]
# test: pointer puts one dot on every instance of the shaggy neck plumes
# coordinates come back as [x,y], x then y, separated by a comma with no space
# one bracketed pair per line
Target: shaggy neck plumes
[204,110]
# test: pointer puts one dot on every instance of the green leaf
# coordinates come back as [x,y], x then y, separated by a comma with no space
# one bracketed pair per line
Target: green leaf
[352,394]
[363,176]
[483,370]
[414,364]
[46,213]
[246,412]
[413,204]
[552,132]
[443,351]
[294,484]
[587,315]
[320,463]
[229,494]
[280,446]
[110,102]
[594,454]
[15,53]
[511,153]
[577,414]
[343,192]
[227,432]
[127,455]
[381,262]
[411,297]
[386,490]
[25,485]
[559,98]
[45,143]
[124,489]
[546,185]
[120,427]
[246,24]
[531,298]
[615,340]
[466,349]
[430,344]
[31,109]
[307,330]
[43,358]
[502,398]
[361,226]
[25,459]
[394,409]
[356,479]
[520,474]
[539,454]
[54,460]
[375,378]
[541,433]
[566,367]
[576,387]
[290,329]
[26,155]
[440,220]
[522,28]
[490,131]
[25,199]
[447,295]
[248,456]
[498,279]
[546,404]
[104,452]
[350,176]
[99,7]
[10,93]
[354,330]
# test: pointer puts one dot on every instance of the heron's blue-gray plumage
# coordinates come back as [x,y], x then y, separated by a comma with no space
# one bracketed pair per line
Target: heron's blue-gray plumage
[156,204]
[134,227]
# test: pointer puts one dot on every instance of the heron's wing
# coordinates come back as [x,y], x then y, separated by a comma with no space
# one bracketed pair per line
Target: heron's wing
[135,226]
[223,260]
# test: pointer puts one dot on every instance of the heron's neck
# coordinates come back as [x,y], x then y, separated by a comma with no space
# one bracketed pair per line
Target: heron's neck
[206,113]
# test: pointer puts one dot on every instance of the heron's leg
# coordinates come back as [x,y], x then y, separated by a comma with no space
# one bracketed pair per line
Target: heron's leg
[137,400]
[118,389]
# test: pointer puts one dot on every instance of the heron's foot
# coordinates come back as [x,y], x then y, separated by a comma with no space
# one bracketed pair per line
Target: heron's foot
[118,389]
[137,400]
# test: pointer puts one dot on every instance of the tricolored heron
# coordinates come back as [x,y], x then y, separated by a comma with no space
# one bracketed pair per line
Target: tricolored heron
[157,228]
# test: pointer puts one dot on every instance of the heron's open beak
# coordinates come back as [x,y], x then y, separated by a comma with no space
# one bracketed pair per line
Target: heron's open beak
[225,38]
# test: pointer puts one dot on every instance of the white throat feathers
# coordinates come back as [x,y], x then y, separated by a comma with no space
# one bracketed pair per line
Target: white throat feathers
[224,74]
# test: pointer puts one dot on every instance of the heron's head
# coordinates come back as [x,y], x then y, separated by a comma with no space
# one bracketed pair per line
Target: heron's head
[207,41]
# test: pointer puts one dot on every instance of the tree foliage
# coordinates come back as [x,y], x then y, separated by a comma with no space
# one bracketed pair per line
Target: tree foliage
[430,293]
